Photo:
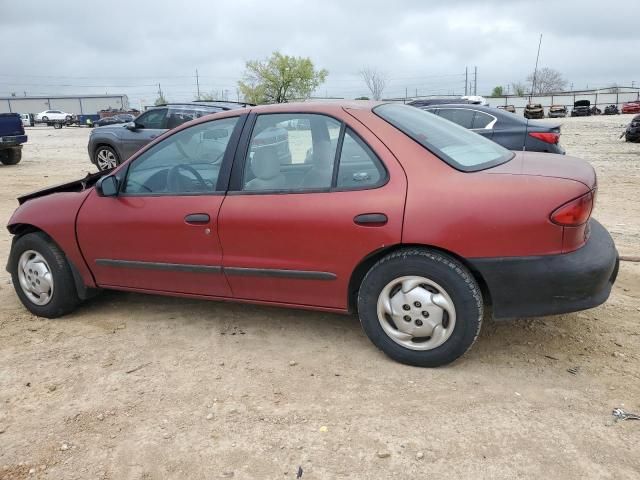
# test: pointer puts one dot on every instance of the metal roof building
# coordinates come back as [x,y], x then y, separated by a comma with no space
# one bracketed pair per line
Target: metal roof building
[78,104]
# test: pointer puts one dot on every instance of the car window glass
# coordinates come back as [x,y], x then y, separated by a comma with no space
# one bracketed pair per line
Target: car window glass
[152,119]
[187,162]
[482,120]
[291,152]
[462,117]
[358,166]
[178,115]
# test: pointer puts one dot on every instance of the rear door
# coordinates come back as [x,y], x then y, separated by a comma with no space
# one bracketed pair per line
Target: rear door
[294,233]
[149,125]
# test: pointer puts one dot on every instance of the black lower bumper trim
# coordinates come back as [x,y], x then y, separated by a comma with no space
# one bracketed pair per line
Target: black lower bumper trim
[552,284]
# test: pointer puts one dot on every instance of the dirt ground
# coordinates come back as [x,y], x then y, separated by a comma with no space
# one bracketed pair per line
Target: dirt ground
[140,387]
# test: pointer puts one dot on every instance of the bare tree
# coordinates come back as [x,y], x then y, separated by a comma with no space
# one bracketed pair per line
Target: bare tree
[375,81]
[547,80]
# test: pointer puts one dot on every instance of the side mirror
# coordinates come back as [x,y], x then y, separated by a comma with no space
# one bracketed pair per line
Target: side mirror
[131,126]
[107,186]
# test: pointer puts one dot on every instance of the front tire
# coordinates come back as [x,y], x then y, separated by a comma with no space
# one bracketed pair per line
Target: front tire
[42,276]
[420,307]
[105,158]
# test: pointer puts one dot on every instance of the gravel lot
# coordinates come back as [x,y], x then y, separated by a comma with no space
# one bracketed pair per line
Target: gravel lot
[143,387]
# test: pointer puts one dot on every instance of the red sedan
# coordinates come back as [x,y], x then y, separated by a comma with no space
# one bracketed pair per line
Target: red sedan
[385,210]
[631,107]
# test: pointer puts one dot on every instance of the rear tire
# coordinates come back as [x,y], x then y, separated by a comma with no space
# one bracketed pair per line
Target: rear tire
[420,307]
[42,276]
[105,158]
[57,125]
[11,156]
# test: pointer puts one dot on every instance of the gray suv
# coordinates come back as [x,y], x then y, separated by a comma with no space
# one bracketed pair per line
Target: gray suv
[113,144]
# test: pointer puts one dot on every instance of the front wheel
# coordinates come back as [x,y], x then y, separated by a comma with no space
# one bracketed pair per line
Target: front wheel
[42,276]
[45,119]
[420,307]
[106,158]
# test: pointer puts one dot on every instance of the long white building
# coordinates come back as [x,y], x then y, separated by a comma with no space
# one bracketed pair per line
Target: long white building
[78,104]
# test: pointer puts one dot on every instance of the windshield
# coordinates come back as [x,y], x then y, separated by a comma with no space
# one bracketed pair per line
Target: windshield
[460,148]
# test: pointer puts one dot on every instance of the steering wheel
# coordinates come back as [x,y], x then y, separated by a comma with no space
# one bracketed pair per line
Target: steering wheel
[173,177]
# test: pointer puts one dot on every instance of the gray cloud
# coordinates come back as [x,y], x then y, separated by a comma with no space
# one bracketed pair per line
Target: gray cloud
[118,46]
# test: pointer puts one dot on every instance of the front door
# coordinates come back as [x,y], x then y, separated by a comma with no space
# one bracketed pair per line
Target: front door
[294,233]
[148,126]
[160,232]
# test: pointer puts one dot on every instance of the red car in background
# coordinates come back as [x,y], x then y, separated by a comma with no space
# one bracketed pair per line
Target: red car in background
[631,107]
[386,210]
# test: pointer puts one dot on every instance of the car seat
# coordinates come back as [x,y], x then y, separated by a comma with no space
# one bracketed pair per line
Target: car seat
[265,165]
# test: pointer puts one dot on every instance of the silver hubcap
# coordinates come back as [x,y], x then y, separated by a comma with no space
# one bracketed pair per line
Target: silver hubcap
[106,159]
[35,277]
[416,312]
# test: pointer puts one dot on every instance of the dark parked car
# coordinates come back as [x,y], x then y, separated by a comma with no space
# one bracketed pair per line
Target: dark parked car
[557,111]
[632,132]
[508,108]
[533,110]
[611,110]
[510,131]
[411,221]
[114,119]
[111,145]
[581,108]
[12,137]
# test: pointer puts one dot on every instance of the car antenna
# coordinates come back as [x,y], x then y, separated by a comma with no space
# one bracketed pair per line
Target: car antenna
[533,87]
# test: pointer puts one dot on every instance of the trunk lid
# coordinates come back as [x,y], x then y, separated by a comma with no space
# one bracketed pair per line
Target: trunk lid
[548,165]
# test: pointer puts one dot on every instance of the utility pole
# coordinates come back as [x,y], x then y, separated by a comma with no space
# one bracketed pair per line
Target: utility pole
[475,80]
[198,84]
[466,80]
[406,94]
[159,91]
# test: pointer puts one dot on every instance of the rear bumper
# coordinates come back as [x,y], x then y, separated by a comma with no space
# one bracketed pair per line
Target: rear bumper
[12,140]
[552,284]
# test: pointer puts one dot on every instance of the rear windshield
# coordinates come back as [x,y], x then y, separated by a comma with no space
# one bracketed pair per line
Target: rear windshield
[460,148]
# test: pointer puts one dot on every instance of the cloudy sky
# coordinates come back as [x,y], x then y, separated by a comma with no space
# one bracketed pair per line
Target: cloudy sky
[76,47]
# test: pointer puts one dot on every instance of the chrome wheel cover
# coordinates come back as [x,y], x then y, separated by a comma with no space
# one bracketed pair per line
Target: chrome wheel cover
[106,159]
[416,313]
[36,279]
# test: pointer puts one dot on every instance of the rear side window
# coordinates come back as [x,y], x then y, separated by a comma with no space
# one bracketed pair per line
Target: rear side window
[462,117]
[358,166]
[482,120]
[176,116]
[460,148]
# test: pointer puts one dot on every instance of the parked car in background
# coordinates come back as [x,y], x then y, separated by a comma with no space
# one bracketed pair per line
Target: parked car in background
[27,119]
[631,107]
[533,110]
[53,115]
[557,111]
[352,230]
[12,137]
[611,110]
[581,108]
[632,132]
[112,144]
[113,120]
[508,108]
[510,131]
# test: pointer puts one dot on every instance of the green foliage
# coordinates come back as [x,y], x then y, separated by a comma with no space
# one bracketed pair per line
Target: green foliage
[160,100]
[279,79]
[518,88]
[362,98]
[497,91]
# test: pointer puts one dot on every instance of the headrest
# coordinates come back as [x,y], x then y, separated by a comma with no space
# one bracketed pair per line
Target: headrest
[265,163]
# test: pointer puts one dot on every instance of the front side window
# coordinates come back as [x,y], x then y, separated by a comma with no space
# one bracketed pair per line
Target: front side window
[187,162]
[152,119]
[291,152]
[457,146]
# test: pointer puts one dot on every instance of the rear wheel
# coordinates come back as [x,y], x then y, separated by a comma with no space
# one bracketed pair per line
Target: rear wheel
[42,276]
[11,156]
[57,125]
[420,307]
[105,158]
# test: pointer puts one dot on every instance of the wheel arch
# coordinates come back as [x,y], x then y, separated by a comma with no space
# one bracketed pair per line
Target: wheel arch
[370,260]
[104,143]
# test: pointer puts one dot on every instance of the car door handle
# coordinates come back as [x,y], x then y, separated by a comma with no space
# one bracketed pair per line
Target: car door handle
[197,218]
[370,219]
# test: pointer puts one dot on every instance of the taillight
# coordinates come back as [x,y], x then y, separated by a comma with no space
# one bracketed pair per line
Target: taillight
[575,212]
[547,137]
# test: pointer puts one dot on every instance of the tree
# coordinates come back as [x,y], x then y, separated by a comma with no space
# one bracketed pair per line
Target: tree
[160,100]
[547,80]
[375,81]
[497,91]
[518,89]
[362,98]
[279,79]
[207,97]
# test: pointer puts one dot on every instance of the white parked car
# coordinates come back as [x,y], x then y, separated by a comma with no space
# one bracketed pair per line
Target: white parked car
[48,115]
